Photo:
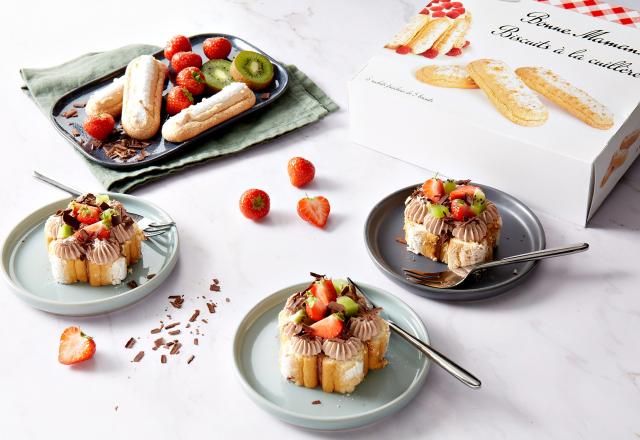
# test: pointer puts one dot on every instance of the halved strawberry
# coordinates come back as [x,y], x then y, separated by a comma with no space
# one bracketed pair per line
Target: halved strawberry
[75,346]
[87,214]
[314,210]
[461,211]
[98,229]
[329,327]
[315,308]
[324,290]
[473,192]
[433,189]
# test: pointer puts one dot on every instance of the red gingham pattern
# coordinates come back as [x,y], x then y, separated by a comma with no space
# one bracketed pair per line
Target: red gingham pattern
[616,14]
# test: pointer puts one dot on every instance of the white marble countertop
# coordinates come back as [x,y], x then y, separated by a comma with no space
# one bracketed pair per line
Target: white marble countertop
[559,356]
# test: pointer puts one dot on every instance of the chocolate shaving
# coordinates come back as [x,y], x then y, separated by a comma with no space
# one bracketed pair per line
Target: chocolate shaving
[214,288]
[216,281]
[401,240]
[151,275]
[130,343]
[316,276]
[75,132]
[205,321]
[69,219]
[163,359]
[142,156]
[79,104]
[212,307]
[132,284]
[195,341]
[157,330]
[316,402]
[227,300]
[177,303]
[191,358]
[158,342]
[265,95]
[174,332]
[175,348]
[71,113]
[335,307]
[138,357]
[172,325]
[195,315]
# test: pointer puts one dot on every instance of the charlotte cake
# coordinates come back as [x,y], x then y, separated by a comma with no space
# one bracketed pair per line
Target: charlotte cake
[329,337]
[452,222]
[93,240]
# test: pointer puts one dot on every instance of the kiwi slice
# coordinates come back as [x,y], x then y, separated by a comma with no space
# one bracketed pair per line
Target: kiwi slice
[216,74]
[253,69]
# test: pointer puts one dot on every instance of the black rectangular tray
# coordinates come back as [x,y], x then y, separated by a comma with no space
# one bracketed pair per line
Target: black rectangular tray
[159,149]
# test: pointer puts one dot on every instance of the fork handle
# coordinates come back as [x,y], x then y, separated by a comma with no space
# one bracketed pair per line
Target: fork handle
[447,364]
[536,255]
[50,181]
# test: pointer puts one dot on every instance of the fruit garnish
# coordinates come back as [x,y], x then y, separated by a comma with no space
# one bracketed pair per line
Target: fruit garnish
[64,231]
[98,229]
[298,317]
[329,327]
[301,171]
[339,284]
[403,50]
[473,192]
[314,210]
[216,48]
[99,126]
[192,79]
[75,346]
[324,290]
[433,189]
[432,53]
[217,74]
[182,60]
[178,99]
[438,211]
[460,210]
[254,204]
[449,185]
[87,214]
[350,306]
[454,52]
[478,207]
[315,308]
[102,198]
[107,217]
[253,69]
[179,43]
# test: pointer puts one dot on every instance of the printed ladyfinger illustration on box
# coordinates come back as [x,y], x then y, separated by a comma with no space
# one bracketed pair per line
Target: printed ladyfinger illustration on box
[439,29]
[620,155]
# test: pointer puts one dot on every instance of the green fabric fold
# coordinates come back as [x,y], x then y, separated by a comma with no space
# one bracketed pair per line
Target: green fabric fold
[302,103]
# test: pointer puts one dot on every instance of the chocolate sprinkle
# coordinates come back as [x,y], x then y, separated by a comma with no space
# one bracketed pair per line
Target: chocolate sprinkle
[163,359]
[191,358]
[195,341]
[130,343]
[132,284]
[138,357]
[174,332]
[212,307]
[79,104]
[172,325]
[71,113]
[175,348]
[195,315]
[316,402]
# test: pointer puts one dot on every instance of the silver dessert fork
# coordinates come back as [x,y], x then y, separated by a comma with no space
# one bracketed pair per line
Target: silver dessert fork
[453,277]
[438,358]
[150,230]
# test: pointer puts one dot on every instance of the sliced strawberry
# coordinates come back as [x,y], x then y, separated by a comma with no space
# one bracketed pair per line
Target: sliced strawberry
[403,50]
[75,346]
[454,52]
[329,327]
[438,14]
[87,214]
[433,189]
[424,11]
[453,14]
[314,210]
[315,308]
[98,229]
[464,191]
[324,290]
[461,211]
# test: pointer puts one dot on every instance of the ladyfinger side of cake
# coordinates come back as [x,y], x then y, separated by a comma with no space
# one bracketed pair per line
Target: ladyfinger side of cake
[451,222]
[93,240]
[329,337]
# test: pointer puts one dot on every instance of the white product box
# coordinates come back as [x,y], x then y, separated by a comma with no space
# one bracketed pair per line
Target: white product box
[564,166]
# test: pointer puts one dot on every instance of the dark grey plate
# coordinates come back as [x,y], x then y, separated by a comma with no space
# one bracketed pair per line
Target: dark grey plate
[159,148]
[521,232]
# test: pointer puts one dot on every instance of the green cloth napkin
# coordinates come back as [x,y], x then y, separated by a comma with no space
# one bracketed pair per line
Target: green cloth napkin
[303,103]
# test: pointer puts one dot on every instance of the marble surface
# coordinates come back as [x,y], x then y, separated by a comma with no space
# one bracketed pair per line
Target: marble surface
[558,356]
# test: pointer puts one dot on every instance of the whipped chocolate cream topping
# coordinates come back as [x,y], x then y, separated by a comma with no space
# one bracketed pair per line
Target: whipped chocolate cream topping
[416,209]
[364,328]
[490,214]
[122,232]
[67,249]
[472,230]
[103,251]
[291,329]
[306,346]
[436,226]
[340,349]
[52,225]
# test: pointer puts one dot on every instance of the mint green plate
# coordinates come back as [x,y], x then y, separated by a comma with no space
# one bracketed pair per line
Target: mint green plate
[25,265]
[382,393]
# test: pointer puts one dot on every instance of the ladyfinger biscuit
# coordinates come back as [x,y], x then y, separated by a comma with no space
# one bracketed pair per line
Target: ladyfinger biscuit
[423,41]
[454,76]
[107,99]
[574,100]
[448,39]
[618,158]
[462,39]
[629,140]
[408,32]
[507,92]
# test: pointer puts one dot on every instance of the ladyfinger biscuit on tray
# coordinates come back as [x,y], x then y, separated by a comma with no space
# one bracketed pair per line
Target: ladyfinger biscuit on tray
[574,100]
[507,92]
[408,32]
[455,76]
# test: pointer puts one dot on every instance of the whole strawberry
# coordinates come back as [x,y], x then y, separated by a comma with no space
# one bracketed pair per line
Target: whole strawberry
[301,171]
[179,43]
[254,204]
[99,126]
[178,99]
[182,60]
[216,48]
[192,79]
[75,346]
